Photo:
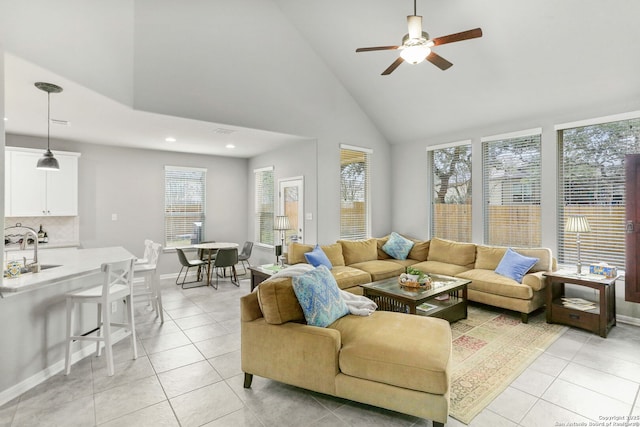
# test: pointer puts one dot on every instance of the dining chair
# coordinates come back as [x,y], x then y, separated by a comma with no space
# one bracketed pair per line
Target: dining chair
[189,263]
[147,250]
[245,254]
[150,286]
[117,284]
[226,258]
[204,254]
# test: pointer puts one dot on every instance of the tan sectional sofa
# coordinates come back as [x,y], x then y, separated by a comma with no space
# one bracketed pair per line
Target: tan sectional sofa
[363,261]
[390,360]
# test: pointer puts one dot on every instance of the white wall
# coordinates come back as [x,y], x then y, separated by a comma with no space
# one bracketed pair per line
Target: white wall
[90,42]
[294,161]
[130,183]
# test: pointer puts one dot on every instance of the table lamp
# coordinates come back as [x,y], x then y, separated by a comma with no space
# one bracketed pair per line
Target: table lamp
[281,224]
[577,224]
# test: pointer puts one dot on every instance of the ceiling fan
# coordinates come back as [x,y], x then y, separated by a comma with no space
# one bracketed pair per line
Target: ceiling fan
[416,45]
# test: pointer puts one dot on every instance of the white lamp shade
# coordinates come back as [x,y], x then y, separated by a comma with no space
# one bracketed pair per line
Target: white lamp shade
[577,224]
[282,223]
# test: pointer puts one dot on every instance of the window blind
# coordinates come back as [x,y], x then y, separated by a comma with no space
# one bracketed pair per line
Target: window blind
[354,193]
[511,191]
[451,192]
[184,205]
[264,205]
[592,183]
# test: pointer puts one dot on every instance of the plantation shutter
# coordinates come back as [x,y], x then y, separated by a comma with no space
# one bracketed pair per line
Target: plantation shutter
[354,192]
[592,183]
[511,184]
[451,191]
[264,205]
[184,205]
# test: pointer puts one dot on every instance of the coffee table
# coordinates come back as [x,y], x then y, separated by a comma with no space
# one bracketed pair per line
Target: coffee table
[390,296]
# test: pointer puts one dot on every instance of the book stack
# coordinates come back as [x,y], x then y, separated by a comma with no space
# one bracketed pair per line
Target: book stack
[578,304]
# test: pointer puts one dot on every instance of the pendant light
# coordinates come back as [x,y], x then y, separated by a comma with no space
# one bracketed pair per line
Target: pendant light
[47,161]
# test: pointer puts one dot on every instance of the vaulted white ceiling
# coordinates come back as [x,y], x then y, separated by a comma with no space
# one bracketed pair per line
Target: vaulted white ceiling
[275,66]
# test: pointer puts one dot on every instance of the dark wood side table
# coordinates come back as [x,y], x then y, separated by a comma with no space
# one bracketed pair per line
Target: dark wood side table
[598,320]
[260,273]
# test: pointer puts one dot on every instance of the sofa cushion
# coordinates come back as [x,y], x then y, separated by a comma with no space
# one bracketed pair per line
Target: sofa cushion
[355,251]
[451,252]
[491,282]
[334,253]
[514,265]
[317,257]
[420,250]
[488,257]
[278,301]
[380,269]
[403,262]
[297,251]
[397,246]
[348,277]
[319,297]
[380,243]
[437,267]
[412,352]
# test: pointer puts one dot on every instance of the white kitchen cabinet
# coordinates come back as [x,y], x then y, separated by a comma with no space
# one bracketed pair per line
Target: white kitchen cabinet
[33,192]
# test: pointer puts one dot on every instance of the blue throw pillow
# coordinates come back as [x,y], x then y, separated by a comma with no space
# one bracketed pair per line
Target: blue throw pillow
[319,297]
[514,265]
[397,246]
[317,257]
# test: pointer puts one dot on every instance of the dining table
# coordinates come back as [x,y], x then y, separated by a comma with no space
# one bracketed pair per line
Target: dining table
[211,247]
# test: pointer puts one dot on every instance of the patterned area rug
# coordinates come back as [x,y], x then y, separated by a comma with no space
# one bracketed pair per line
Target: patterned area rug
[490,350]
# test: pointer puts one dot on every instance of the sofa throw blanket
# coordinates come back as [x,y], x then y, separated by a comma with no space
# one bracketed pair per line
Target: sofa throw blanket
[358,305]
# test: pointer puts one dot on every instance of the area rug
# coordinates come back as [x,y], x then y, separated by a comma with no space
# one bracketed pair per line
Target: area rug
[491,348]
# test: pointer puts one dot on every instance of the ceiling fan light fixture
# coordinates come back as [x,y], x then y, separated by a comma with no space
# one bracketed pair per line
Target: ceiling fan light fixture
[415,54]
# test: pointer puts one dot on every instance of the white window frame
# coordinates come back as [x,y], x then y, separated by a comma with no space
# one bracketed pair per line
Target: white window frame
[366,194]
[264,234]
[174,229]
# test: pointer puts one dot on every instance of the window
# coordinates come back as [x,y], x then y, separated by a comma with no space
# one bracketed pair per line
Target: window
[354,192]
[184,205]
[511,189]
[451,192]
[264,205]
[591,183]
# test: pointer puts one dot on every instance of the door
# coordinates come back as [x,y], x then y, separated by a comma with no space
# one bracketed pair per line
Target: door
[632,240]
[291,194]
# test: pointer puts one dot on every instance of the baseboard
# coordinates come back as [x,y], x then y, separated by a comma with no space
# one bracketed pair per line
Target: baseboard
[12,392]
[628,320]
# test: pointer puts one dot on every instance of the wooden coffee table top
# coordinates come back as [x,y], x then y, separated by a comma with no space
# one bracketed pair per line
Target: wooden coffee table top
[441,284]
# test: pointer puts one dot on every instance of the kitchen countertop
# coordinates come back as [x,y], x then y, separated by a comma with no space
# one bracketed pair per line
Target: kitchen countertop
[73,263]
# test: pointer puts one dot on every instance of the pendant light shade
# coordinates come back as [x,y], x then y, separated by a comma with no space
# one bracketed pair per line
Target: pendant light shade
[47,161]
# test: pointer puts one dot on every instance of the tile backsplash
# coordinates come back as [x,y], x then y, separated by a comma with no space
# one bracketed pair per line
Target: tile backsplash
[60,229]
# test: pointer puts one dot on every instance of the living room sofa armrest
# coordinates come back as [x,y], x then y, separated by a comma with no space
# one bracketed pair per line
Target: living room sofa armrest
[535,280]
[250,307]
[292,353]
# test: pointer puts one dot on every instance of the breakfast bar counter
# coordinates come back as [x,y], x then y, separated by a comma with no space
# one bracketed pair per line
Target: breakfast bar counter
[33,315]
[70,263]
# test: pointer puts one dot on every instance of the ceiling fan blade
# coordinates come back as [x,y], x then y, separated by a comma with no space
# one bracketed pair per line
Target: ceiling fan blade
[369,49]
[458,37]
[393,66]
[438,61]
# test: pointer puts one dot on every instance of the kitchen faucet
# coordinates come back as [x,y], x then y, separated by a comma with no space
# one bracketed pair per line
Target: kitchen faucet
[34,266]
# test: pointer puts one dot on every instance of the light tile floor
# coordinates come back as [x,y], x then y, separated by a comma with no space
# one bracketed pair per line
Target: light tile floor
[188,374]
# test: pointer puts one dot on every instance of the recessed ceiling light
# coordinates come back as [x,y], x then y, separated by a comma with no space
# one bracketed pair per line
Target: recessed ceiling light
[230,146]
[5,119]
[170,139]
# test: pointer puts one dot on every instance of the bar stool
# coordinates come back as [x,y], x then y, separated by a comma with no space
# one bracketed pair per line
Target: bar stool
[150,287]
[117,285]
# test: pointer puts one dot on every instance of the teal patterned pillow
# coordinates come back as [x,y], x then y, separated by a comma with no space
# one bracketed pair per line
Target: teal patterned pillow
[397,246]
[319,297]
